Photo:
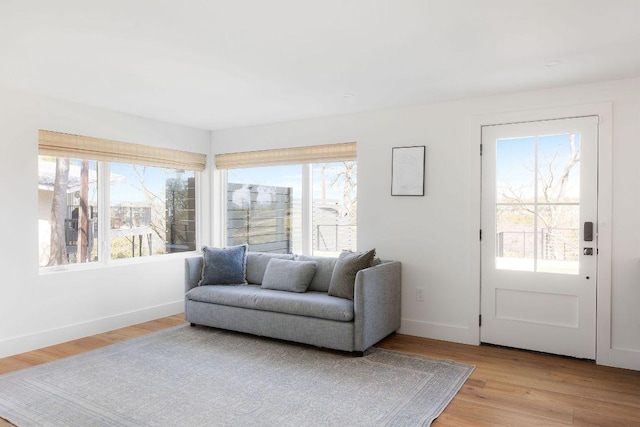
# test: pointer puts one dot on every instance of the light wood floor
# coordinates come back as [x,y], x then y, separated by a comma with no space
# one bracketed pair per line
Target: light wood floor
[508,387]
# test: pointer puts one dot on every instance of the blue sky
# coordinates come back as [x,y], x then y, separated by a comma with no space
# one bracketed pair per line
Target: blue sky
[289,176]
[515,159]
[126,187]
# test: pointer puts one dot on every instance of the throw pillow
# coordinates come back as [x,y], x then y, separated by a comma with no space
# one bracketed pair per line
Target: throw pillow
[257,265]
[287,275]
[224,266]
[344,273]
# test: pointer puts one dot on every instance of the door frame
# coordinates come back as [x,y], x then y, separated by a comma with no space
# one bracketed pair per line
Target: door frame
[604,352]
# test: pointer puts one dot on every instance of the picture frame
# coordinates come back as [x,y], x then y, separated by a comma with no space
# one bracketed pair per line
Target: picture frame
[407,170]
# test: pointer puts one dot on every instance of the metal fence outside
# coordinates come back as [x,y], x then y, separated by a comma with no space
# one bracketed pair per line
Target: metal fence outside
[334,237]
[558,244]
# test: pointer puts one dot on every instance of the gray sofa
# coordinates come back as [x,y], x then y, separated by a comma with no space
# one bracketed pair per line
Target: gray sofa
[312,317]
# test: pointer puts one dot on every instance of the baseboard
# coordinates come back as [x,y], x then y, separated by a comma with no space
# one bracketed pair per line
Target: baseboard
[619,358]
[439,331]
[50,337]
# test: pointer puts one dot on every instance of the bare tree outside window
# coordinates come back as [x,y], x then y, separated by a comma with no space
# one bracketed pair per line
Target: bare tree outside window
[538,201]
[152,210]
[335,212]
[345,180]
[58,253]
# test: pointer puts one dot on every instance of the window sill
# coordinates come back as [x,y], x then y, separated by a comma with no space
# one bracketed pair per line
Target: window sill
[96,265]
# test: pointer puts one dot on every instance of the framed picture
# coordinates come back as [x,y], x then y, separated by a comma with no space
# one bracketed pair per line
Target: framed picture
[407,171]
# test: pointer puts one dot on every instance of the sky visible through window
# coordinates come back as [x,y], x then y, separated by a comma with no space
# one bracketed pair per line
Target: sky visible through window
[290,176]
[126,184]
[537,210]
[515,160]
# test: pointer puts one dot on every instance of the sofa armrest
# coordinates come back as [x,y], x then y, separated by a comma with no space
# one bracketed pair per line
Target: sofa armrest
[377,303]
[192,272]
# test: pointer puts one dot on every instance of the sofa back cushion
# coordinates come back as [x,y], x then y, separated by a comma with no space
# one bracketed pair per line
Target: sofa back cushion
[324,270]
[257,264]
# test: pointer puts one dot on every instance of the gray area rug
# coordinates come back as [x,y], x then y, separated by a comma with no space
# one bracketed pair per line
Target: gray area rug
[207,377]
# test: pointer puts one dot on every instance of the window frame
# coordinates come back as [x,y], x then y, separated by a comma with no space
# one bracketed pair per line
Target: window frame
[104,227]
[306,156]
[307,206]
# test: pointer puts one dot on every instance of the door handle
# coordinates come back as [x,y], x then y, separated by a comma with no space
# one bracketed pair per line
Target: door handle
[588,231]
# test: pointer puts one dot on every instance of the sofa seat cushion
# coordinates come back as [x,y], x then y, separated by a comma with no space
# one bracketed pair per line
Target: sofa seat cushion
[309,304]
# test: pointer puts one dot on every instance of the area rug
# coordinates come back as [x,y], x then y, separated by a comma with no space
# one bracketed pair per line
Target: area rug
[208,377]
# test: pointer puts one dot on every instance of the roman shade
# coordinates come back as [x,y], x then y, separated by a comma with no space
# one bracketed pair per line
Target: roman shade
[288,156]
[85,147]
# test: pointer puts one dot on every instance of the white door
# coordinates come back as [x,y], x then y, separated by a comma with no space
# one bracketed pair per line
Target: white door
[539,237]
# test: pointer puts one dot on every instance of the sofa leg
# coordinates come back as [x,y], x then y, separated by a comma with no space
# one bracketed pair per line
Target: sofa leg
[358,353]
[193,324]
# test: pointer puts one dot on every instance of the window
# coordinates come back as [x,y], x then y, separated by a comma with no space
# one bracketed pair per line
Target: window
[152,210]
[334,207]
[67,210]
[538,203]
[151,194]
[264,208]
[282,203]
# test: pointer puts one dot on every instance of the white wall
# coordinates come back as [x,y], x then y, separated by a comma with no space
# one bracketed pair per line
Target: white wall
[435,236]
[42,309]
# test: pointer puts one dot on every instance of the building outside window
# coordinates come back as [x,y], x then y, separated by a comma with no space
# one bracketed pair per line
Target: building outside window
[67,188]
[152,210]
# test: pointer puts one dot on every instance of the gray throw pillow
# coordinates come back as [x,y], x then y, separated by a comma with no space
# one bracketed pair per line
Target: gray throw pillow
[287,275]
[224,266]
[344,273]
[257,265]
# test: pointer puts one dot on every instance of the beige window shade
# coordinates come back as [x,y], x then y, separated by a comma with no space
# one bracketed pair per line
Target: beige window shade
[85,147]
[288,156]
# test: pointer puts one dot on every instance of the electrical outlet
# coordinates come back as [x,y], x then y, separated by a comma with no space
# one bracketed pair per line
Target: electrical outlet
[420,294]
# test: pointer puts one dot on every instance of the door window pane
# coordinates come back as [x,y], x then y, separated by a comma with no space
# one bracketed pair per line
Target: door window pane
[558,238]
[515,170]
[559,168]
[515,237]
[67,211]
[538,203]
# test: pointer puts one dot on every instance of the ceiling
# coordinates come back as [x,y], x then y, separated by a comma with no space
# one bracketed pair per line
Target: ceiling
[215,64]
